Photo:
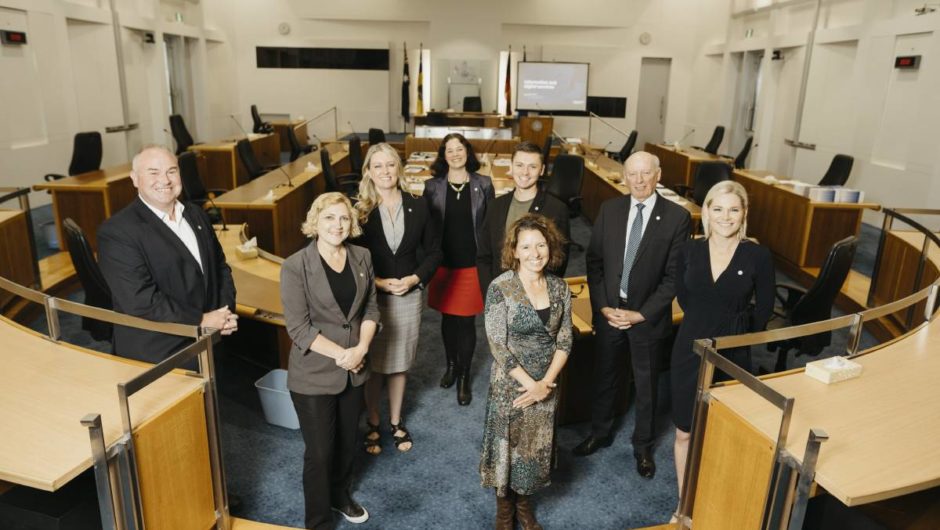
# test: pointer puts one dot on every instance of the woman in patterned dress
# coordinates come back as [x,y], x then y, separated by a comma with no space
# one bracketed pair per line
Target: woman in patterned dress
[528,324]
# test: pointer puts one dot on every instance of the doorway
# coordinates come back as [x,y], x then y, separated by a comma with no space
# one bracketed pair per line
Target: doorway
[179,95]
[743,122]
[653,100]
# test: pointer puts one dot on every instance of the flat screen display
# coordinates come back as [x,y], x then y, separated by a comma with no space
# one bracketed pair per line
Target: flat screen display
[547,87]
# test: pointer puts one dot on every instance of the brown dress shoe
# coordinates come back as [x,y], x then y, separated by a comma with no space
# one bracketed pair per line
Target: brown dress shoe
[525,513]
[506,512]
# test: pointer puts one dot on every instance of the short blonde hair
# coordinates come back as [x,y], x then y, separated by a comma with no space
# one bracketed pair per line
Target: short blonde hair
[325,200]
[723,187]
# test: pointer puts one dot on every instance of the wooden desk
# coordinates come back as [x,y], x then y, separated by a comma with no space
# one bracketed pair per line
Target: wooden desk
[467,119]
[895,279]
[89,199]
[679,166]
[883,426]
[220,166]
[48,387]
[413,144]
[16,259]
[796,229]
[274,210]
[280,130]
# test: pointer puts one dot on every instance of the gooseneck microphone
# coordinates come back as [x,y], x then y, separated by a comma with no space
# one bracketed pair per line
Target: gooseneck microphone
[602,151]
[221,215]
[684,138]
[239,125]
[286,174]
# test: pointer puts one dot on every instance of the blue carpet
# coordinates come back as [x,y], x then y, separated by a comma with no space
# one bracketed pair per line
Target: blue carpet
[436,485]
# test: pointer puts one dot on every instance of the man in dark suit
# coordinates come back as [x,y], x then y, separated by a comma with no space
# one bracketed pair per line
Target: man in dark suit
[631,267]
[162,261]
[501,213]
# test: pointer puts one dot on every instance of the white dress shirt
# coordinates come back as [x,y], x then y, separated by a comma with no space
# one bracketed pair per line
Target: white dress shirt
[180,227]
[647,211]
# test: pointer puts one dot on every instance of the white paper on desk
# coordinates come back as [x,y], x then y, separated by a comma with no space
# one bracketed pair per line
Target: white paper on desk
[414,169]
[269,196]
[572,140]
[502,162]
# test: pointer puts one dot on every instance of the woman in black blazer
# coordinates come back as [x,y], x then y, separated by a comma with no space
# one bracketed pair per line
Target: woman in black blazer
[457,197]
[328,293]
[395,226]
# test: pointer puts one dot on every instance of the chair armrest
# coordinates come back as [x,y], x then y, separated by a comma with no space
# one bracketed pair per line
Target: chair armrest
[215,192]
[53,176]
[793,295]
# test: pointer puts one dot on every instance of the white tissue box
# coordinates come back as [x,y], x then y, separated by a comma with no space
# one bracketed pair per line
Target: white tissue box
[833,369]
[243,253]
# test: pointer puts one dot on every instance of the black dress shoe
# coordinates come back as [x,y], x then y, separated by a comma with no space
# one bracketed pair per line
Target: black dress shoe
[645,465]
[591,444]
[352,511]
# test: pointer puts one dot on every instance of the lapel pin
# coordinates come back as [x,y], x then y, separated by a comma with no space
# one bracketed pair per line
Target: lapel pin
[536,208]
[360,274]
[198,227]
[409,210]
[740,273]
[657,218]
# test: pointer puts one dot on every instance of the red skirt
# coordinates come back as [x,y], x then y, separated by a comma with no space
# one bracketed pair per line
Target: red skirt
[456,292]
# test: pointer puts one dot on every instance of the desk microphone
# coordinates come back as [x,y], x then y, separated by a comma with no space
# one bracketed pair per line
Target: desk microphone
[239,125]
[684,138]
[315,147]
[286,174]
[221,215]
[352,129]
[602,151]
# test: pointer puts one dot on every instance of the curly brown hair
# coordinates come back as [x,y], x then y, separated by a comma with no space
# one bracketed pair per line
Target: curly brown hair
[533,221]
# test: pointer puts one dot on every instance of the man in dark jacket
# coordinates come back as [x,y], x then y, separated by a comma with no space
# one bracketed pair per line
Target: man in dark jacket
[527,167]
[163,262]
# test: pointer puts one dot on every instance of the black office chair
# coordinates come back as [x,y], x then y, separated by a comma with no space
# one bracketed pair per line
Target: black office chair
[86,155]
[546,152]
[347,183]
[355,155]
[248,159]
[193,189]
[804,306]
[259,126]
[715,142]
[180,134]
[625,151]
[565,184]
[472,104]
[741,160]
[839,170]
[97,292]
[376,136]
[706,175]
[296,148]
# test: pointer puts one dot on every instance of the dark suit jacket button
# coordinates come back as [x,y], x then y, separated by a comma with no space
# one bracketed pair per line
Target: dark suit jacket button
[346,326]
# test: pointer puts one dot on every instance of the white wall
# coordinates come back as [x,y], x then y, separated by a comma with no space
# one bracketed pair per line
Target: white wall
[66,80]
[856,102]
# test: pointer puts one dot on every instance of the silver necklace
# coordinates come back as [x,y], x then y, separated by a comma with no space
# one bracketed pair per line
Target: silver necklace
[457,189]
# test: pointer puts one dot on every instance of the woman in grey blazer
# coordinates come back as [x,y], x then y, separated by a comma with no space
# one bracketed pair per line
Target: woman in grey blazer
[328,293]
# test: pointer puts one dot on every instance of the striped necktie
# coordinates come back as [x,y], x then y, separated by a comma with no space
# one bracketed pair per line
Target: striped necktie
[633,244]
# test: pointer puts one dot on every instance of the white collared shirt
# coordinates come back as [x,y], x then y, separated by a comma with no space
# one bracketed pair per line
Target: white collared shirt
[180,226]
[647,213]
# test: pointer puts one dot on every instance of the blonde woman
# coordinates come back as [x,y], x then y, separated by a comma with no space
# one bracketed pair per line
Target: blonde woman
[716,279]
[328,293]
[396,225]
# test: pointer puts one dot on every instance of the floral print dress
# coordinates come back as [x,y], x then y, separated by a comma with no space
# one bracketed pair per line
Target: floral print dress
[517,443]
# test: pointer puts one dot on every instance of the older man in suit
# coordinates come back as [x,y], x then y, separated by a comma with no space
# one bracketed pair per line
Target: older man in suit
[631,264]
[162,261]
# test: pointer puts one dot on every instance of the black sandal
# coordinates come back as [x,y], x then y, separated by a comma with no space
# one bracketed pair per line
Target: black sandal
[403,438]
[373,440]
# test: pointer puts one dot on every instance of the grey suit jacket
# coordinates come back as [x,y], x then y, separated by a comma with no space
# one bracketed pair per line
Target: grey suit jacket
[310,309]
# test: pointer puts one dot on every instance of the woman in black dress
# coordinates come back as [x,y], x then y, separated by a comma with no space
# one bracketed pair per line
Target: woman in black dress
[457,197]
[718,276]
